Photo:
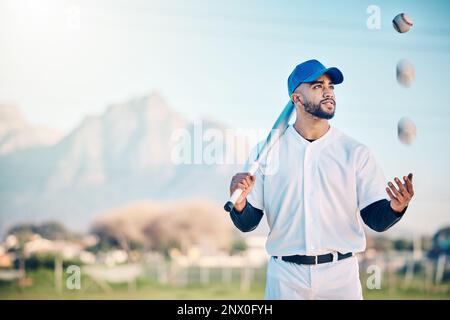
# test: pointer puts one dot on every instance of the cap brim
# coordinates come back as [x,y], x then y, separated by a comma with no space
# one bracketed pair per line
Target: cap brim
[335,74]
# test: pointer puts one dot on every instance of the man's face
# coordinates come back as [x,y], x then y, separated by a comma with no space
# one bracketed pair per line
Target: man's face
[317,97]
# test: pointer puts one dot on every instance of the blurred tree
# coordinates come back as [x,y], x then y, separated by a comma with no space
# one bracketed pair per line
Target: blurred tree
[107,240]
[441,243]
[381,243]
[403,245]
[238,246]
[161,227]
[44,261]
[427,243]
[49,230]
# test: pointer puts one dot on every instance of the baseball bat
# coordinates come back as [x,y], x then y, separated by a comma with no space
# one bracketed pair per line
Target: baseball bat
[276,132]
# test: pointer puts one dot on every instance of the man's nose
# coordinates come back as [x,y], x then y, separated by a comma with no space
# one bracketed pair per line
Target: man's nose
[328,94]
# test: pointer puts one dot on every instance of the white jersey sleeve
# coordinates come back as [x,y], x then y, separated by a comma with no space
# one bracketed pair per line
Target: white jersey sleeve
[370,179]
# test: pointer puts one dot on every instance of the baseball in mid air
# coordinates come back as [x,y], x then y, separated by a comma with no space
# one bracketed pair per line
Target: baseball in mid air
[405,73]
[402,23]
[406,131]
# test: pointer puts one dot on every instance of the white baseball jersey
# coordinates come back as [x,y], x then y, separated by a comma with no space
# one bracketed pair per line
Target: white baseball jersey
[312,193]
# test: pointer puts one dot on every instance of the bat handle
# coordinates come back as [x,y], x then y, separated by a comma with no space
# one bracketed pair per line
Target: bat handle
[234,197]
[237,193]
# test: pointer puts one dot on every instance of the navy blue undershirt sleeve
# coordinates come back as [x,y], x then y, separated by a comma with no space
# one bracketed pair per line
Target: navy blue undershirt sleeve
[248,219]
[379,216]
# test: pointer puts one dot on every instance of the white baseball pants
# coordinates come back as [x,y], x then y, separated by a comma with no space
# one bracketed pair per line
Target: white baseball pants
[335,280]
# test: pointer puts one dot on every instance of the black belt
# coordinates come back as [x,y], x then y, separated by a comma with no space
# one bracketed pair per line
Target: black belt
[324,258]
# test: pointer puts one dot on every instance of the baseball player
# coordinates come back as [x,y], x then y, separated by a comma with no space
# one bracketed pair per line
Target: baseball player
[317,187]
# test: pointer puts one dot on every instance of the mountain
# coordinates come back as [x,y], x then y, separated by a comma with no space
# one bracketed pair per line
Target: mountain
[17,134]
[122,156]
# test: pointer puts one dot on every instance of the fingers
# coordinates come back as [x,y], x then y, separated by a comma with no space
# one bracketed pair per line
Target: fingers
[402,189]
[391,195]
[395,192]
[249,180]
[403,193]
[243,175]
[243,181]
[242,186]
[239,176]
[409,185]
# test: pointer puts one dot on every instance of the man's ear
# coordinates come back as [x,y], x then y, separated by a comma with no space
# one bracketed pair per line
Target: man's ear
[296,99]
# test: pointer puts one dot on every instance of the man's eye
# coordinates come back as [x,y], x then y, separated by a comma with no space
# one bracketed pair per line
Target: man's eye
[332,87]
[317,86]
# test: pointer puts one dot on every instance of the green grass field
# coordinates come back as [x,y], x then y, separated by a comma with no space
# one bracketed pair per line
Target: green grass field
[43,287]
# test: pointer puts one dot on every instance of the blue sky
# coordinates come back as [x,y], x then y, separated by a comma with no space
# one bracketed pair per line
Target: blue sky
[229,60]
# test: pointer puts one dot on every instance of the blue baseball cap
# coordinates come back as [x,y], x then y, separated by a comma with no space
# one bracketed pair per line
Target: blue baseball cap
[309,71]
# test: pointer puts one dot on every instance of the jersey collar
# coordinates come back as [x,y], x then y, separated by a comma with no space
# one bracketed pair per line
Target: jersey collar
[298,137]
